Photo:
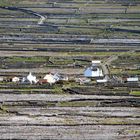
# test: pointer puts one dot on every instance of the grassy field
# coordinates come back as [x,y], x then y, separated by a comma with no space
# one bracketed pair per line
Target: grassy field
[135,93]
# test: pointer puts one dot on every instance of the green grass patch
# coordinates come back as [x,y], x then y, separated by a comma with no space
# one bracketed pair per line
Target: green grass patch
[77,104]
[93,53]
[123,71]
[3,109]
[133,131]
[80,31]
[132,72]
[28,59]
[58,89]
[135,93]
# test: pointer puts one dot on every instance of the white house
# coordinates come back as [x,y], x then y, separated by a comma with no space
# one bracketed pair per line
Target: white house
[53,78]
[32,79]
[15,79]
[93,72]
[50,78]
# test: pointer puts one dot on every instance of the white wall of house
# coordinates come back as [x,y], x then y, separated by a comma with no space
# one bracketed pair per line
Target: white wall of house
[132,79]
[15,79]
[32,79]
[96,62]
[50,78]
[101,81]
[93,73]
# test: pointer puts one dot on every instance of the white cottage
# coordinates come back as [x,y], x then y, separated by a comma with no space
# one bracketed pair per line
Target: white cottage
[15,79]
[50,78]
[94,71]
[53,78]
[32,79]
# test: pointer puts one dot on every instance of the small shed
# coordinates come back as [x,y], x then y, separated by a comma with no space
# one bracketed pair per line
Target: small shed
[132,79]
[96,62]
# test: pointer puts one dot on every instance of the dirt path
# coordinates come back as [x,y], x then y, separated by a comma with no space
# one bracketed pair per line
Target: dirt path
[41,20]
[112,58]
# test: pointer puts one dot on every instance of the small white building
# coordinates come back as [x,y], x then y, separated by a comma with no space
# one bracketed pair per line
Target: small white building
[53,78]
[15,79]
[32,79]
[104,80]
[95,70]
[132,79]
[97,62]
[50,78]
[1,79]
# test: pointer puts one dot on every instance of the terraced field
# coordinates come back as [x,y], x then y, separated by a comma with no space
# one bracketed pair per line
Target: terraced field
[42,36]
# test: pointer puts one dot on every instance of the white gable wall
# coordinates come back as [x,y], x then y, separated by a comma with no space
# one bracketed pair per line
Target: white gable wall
[50,78]
[32,79]
[89,73]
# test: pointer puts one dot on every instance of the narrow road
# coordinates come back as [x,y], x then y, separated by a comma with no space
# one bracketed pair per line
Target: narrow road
[107,62]
[41,20]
